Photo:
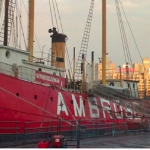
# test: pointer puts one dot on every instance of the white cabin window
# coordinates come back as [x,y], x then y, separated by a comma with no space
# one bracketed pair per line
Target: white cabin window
[7,54]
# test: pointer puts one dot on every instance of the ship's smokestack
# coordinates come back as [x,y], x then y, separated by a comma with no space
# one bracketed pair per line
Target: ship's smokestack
[58,49]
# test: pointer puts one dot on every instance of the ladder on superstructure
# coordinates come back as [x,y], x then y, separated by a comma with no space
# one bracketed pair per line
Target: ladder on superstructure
[120,98]
[84,44]
[1,16]
[11,10]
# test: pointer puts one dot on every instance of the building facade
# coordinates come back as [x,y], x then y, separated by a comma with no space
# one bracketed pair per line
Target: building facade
[110,70]
[138,72]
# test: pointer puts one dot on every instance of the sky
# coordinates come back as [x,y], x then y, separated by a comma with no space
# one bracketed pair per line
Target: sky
[74,14]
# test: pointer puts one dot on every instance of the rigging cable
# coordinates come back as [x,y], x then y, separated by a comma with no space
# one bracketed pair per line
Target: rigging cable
[21,27]
[51,13]
[61,29]
[57,28]
[128,51]
[45,107]
[131,30]
[55,15]
[122,29]
[70,66]
[20,16]
[59,16]
[28,113]
[68,60]
[55,116]
[121,32]
[132,35]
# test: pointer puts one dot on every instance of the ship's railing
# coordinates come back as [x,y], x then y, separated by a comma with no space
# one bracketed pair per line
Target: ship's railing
[122,98]
[26,73]
[6,69]
[20,72]
[9,131]
[36,131]
[79,129]
[29,74]
[132,93]
[9,127]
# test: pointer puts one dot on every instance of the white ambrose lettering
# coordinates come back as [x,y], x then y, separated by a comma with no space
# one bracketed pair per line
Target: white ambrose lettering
[107,107]
[93,107]
[78,110]
[61,105]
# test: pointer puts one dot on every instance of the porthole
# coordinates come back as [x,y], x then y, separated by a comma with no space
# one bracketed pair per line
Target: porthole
[35,97]
[17,94]
[7,54]
[39,69]
[111,84]
[51,98]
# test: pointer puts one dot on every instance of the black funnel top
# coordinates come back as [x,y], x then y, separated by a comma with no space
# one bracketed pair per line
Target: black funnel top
[57,37]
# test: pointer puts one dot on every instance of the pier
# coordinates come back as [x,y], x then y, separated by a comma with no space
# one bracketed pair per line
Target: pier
[131,140]
[80,134]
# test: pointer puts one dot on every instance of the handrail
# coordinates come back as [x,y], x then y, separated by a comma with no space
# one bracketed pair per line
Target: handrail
[84,129]
[21,72]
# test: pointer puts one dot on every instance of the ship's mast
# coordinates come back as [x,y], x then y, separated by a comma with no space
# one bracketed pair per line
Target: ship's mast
[31,30]
[103,42]
[6,23]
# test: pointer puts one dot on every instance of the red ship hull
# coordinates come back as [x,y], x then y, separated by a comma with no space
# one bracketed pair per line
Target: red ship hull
[26,101]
